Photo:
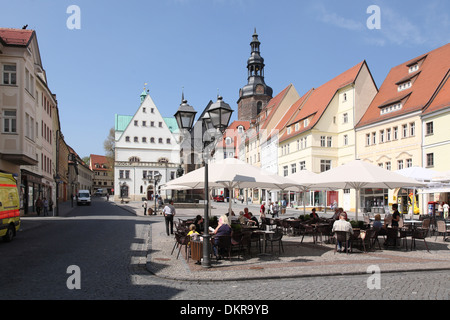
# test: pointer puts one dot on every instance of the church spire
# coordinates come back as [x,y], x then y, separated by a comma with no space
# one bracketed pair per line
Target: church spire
[256,94]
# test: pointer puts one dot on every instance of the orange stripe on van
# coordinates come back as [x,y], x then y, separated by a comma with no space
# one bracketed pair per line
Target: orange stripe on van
[9,214]
[8,185]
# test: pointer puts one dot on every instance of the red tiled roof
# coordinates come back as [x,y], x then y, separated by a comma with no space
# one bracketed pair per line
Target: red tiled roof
[442,99]
[97,159]
[433,69]
[15,37]
[272,106]
[317,100]
[292,112]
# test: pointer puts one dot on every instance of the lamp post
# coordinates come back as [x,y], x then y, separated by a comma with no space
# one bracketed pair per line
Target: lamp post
[217,117]
[156,178]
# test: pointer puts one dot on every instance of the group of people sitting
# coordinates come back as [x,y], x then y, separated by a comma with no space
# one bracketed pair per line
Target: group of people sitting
[223,228]
[342,224]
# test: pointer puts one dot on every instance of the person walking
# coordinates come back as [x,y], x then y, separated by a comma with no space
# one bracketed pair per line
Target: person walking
[45,203]
[39,206]
[446,209]
[169,212]
[50,206]
[144,205]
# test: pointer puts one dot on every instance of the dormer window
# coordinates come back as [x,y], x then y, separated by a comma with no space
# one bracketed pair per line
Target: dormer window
[414,68]
[289,130]
[404,86]
[305,123]
[391,108]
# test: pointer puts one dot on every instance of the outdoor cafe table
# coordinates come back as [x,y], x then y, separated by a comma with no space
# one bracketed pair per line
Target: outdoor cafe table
[412,222]
[264,233]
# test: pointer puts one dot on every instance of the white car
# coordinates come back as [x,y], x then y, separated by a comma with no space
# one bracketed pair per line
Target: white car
[84,197]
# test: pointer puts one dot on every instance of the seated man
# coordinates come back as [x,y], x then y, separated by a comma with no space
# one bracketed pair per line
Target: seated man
[343,225]
[253,220]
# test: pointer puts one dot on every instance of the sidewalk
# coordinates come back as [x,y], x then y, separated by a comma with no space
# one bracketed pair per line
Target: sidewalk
[62,210]
[298,259]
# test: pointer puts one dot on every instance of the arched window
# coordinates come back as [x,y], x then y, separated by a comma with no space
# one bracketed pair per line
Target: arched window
[258,107]
[134,159]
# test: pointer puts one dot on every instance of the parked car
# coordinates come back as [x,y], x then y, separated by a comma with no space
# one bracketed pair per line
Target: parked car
[219,199]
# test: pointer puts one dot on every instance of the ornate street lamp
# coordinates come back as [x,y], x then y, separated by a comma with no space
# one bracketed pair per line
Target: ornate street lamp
[217,117]
[185,116]
[220,114]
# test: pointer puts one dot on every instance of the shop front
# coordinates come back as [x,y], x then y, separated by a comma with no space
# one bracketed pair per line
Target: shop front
[31,189]
[374,200]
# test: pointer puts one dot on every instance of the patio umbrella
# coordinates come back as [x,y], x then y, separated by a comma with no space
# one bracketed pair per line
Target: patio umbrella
[358,174]
[418,173]
[230,173]
[442,177]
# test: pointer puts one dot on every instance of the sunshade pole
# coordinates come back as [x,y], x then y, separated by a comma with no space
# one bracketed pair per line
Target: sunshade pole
[206,263]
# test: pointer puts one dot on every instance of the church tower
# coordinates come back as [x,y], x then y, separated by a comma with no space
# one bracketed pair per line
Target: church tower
[256,94]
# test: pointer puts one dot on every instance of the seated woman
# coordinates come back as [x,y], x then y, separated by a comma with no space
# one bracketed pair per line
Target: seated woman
[223,229]
[377,224]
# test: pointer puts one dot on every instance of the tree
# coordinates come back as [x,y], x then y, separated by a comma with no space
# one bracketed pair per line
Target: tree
[109,146]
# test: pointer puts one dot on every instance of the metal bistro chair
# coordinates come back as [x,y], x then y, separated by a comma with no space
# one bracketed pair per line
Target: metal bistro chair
[341,236]
[373,237]
[441,228]
[276,237]
[419,233]
[224,246]
[182,239]
[307,229]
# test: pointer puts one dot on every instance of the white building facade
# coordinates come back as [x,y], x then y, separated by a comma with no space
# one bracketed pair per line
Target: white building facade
[145,144]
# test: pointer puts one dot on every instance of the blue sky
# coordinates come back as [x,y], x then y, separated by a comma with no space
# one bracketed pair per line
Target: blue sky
[203,45]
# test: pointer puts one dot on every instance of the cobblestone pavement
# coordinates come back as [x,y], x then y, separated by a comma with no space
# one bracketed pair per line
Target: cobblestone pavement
[124,256]
[298,259]
[432,285]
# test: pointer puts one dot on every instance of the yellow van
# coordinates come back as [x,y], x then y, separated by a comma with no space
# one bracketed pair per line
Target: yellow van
[9,207]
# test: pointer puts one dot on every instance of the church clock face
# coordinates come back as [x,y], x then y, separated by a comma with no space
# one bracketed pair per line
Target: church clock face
[260,89]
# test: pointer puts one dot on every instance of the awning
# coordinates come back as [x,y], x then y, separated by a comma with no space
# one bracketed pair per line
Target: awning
[435,190]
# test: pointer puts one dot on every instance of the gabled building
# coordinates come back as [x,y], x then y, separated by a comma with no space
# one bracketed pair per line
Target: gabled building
[103,174]
[320,132]
[145,144]
[393,130]
[80,175]
[27,110]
